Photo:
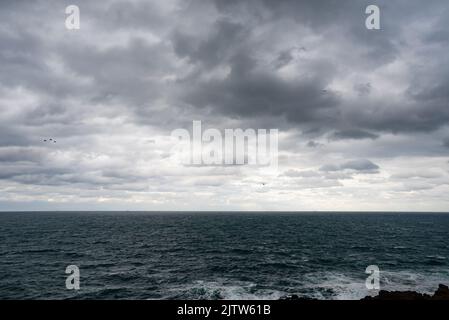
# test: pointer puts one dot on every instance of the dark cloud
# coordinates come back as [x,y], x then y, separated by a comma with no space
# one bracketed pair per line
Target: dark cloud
[132,72]
[287,56]
[313,144]
[363,89]
[355,134]
[137,70]
[446,143]
[20,154]
[251,89]
[250,93]
[361,165]
[219,44]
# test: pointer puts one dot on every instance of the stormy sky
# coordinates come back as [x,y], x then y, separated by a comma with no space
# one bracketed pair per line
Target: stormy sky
[362,114]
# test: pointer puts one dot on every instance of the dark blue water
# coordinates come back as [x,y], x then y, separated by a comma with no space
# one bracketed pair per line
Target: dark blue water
[219,256]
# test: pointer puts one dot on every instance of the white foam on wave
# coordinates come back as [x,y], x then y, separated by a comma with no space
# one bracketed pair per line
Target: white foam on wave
[410,280]
[224,289]
[338,286]
[317,285]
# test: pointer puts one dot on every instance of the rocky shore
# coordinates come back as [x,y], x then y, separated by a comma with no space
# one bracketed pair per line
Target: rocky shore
[442,293]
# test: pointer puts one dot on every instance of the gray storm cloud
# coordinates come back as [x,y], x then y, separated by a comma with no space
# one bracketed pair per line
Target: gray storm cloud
[347,101]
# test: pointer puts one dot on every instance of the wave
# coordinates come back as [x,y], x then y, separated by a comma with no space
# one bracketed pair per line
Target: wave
[317,285]
[222,290]
[339,286]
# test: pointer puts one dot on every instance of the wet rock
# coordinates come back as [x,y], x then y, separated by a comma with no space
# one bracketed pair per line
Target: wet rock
[442,293]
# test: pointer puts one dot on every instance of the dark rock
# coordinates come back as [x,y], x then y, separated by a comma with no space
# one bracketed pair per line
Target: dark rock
[442,293]
[399,295]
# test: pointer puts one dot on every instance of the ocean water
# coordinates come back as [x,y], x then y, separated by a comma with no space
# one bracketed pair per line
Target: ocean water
[219,255]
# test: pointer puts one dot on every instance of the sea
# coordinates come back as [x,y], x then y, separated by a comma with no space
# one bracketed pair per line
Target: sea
[220,255]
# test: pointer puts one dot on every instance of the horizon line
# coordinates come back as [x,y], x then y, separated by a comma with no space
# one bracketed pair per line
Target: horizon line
[224,211]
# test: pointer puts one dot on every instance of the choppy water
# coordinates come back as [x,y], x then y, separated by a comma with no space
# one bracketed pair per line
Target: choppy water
[219,255]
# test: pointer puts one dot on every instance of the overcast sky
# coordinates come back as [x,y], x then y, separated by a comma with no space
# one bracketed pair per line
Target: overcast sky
[362,114]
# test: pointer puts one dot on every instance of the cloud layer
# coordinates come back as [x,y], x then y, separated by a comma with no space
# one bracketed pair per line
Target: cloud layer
[362,113]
